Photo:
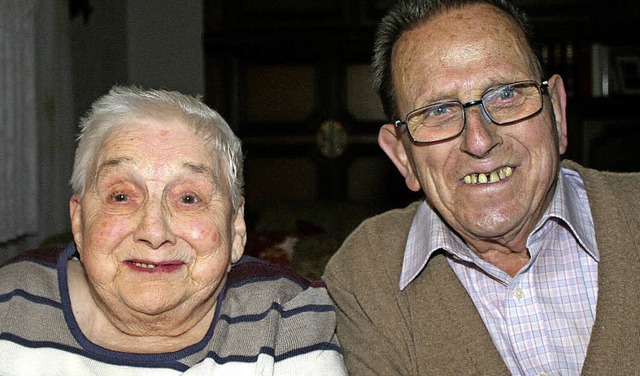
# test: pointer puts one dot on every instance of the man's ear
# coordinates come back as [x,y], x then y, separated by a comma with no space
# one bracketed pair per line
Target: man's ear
[239,234]
[390,140]
[75,215]
[559,102]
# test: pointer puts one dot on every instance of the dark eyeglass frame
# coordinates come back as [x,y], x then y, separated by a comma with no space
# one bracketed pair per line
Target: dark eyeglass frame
[542,89]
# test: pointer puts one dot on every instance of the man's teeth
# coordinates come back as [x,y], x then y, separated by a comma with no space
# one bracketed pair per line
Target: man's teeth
[143,265]
[492,177]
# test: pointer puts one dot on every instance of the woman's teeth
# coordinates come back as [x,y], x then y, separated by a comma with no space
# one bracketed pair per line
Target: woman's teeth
[143,265]
[491,177]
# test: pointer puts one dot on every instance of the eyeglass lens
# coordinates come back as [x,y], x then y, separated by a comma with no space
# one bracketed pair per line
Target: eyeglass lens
[504,104]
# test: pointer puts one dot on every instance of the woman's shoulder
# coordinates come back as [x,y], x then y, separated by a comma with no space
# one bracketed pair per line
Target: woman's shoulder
[45,256]
[256,274]
[30,270]
[257,286]
[29,295]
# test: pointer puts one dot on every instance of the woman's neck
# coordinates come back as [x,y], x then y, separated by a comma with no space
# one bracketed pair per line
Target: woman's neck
[104,330]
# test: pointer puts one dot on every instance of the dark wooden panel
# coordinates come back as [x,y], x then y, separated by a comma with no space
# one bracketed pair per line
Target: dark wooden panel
[281,70]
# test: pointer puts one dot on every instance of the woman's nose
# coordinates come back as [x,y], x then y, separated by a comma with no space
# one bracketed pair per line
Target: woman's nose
[154,227]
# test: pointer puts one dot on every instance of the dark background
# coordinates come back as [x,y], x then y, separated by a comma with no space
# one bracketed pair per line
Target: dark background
[292,77]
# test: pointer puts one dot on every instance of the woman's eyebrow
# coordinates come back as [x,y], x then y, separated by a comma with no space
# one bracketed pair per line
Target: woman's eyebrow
[198,168]
[111,164]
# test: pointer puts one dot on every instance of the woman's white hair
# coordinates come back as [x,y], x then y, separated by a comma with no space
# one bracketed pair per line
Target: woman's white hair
[125,104]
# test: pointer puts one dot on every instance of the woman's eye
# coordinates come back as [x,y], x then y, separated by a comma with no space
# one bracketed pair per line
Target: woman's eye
[189,199]
[119,197]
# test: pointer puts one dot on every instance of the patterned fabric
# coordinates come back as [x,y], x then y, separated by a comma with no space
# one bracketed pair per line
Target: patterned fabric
[268,321]
[540,320]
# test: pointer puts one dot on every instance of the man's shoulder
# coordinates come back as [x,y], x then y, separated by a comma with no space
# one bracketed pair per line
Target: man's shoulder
[377,242]
[609,186]
[387,227]
[591,175]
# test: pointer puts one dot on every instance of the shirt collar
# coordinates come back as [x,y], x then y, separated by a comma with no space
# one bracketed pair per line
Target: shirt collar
[571,205]
[429,233]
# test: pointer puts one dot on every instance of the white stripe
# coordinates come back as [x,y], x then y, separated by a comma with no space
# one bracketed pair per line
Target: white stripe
[24,361]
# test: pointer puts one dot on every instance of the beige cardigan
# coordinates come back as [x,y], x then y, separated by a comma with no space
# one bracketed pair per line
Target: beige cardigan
[432,327]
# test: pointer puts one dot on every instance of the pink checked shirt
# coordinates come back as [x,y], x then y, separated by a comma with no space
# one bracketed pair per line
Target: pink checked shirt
[541,319]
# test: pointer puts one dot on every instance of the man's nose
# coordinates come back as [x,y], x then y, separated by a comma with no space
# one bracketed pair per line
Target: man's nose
[480,135]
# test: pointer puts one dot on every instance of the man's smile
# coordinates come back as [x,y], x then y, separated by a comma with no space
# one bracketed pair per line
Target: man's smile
[489,177]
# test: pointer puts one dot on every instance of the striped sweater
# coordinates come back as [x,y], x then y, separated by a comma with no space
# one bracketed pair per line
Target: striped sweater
[268,321]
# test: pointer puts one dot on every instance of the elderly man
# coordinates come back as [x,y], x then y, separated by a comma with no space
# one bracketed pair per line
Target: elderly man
[515,262]
[155,281]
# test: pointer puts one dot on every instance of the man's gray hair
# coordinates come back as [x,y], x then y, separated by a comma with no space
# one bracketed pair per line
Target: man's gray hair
[124,104]
[408,14]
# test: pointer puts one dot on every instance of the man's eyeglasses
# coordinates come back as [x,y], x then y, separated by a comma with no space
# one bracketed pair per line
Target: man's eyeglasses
[501,105]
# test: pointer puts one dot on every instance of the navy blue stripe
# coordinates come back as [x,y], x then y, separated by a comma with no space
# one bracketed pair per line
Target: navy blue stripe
[280,309]
[73,350]
[175,365]
[270,278]
[308,308]
[249,270]
[241,358]
[305,350]
[271,352]
[30,297]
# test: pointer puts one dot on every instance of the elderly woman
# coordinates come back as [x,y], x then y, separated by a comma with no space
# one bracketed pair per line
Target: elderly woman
[155,281]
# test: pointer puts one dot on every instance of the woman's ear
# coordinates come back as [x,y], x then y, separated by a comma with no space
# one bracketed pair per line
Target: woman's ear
[390,140]
[559,102]
[75,215]
[239,234]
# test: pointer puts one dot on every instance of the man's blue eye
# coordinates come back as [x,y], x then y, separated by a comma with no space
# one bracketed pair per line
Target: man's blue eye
[439,110]
[507,93]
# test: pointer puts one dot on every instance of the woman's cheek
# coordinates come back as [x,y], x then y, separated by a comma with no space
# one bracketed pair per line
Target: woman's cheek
[111,225]
[214,237]
[201,232]
[107,228]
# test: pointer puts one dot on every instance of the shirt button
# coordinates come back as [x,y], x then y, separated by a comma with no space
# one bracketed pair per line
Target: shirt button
[518,293]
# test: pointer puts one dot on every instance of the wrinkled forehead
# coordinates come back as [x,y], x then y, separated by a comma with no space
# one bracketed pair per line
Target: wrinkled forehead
[467,22]
[458,39]
[159,142]
[154,134]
